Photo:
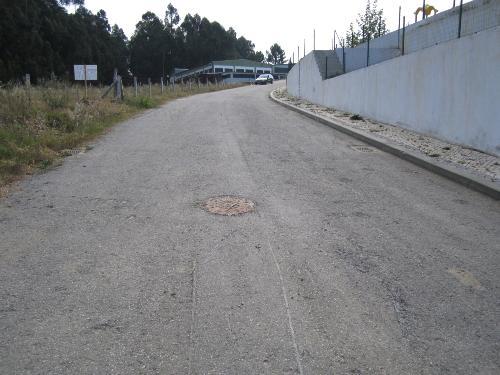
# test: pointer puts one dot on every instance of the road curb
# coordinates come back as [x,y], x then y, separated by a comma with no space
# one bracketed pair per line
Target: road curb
[450,172]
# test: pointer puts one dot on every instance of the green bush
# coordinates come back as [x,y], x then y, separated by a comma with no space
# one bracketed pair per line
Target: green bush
[55,99]
[60,121]
[15,106]
[142,102]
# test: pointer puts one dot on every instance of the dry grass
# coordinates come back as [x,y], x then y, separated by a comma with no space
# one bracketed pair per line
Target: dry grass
[39,125]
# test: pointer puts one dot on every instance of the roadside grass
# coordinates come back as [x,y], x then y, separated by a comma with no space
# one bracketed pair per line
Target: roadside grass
[38,126]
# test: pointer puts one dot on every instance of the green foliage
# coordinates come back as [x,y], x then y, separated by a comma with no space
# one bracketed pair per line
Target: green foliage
[157,46]
[60,121]
[41,38]
[55,99]
[259,56]
[370,24]
[142,102]
[15,106]
[276,55]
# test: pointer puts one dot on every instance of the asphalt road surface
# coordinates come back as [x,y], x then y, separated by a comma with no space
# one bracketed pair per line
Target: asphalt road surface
[353,262]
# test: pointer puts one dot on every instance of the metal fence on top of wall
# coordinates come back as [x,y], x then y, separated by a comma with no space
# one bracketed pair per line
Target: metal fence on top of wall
[461,20]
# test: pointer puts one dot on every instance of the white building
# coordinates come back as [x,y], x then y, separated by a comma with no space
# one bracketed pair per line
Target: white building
[230,71]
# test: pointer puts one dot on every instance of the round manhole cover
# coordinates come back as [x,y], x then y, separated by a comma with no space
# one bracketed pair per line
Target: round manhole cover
[228,205]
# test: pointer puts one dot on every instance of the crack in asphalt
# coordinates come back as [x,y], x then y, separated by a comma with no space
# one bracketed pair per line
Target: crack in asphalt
[287,308]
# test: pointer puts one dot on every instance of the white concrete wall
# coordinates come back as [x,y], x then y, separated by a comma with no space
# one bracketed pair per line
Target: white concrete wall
[450,91]
[355,58]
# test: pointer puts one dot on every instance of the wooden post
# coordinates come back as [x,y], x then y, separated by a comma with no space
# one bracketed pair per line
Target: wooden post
[149,83]
[119,86]
[135,86]
[161,83]
[115,83]
[27,83]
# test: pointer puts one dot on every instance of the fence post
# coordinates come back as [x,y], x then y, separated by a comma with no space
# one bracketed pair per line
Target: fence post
[299,78]
[122,94]
[326,67]
[403,41]
[343,58]
[460,19]
[368,50]
[27,83]
[161,83]
[149,83]
[115,83]
[423,10]
[135,86]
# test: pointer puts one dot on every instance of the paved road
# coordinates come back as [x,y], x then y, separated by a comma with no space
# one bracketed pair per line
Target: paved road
[353,263]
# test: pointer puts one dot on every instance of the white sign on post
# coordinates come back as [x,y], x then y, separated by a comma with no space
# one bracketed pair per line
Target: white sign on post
[85,72]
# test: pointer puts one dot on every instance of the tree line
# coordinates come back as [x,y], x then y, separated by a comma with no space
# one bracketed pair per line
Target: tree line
[41,38]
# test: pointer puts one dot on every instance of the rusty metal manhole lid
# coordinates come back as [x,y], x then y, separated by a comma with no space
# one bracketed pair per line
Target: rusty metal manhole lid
[228,205]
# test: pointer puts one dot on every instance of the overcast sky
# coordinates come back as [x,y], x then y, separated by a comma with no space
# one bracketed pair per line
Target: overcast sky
[266,22]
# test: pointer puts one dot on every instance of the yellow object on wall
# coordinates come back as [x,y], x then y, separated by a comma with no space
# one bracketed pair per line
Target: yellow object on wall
[428,10]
